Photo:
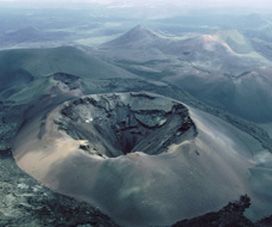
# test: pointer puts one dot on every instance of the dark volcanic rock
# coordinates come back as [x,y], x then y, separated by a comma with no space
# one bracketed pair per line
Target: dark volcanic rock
[265,222]
[25,203]
[5,153]
[231,215]
[72,81]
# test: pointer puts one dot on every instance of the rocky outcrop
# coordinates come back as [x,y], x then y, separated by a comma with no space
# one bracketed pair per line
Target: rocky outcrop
[24,203]
[265,222]
[232,215]
[71,81]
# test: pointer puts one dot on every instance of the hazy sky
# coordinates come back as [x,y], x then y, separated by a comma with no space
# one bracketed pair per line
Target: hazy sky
[188,3]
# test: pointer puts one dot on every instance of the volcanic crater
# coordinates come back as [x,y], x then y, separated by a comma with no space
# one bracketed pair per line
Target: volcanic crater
[112,125]
[141,158]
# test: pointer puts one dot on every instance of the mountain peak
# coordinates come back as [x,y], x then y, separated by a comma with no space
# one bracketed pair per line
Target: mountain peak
[137,34]
[139,28]
[140,31]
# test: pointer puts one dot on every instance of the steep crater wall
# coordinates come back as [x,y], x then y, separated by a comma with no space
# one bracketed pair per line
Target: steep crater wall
[113,125]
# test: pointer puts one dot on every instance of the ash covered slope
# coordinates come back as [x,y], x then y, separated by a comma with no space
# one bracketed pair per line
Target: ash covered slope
[222,69]
[24,65]
[143,159]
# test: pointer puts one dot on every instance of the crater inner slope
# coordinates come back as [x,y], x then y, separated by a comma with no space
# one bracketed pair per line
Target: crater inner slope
[113,125]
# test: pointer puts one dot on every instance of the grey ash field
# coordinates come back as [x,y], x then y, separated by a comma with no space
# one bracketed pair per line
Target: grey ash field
[104,125]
